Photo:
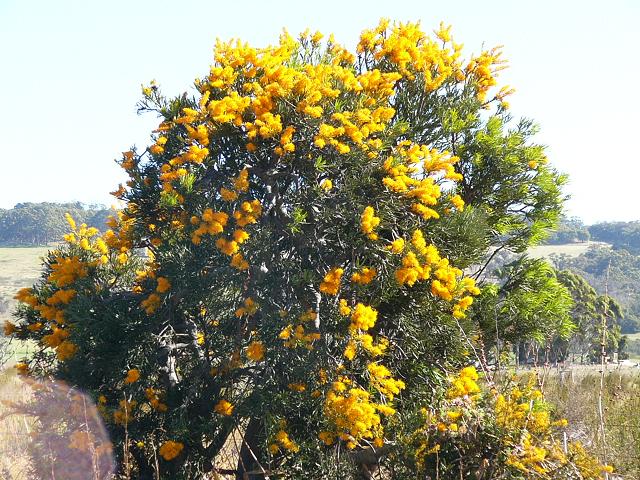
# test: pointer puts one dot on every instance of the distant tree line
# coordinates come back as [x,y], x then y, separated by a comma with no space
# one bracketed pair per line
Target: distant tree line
[615,272]
[621,235]
[569,230]
[34,224]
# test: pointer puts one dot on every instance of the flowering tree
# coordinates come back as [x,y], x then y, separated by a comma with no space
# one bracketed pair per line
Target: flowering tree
[287,272]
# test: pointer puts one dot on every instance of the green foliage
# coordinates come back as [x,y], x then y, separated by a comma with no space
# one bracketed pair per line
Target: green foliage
[591,313]
[529,304]
[524,204]
[615,272]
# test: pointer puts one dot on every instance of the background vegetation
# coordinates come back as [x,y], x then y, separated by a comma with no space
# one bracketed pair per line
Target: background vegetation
[37,224]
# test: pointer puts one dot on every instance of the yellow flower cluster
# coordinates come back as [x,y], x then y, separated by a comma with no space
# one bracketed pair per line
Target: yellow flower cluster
[255,351]
[123,415]
[240,185]
[66,350]
[297,387]
[84,238]
[25,295]
[464,385]
[246,84]
[517,418]
[238,262]
[133,376]
[363,317]
[151,303]
[364,276]
[380,379]
[331,282]
[249,307]
[409,50]
[211,223]
[61,296]
[369,222]
[163,285]
[128,161]
[154,400]
[248,213]
[223,407]
[120,239]
[352,413]
[168,176]
[65,271]
[52,310]
[9,328]
[419,263]
[228,247]
[170,450]
[588,466]
[56,337]
[356,126]
[523,408]
[297,336]
[413,173]
[450,422]
[484,69]
[374,349]
[326,184]
[457,202]
[528,457]
[283,440]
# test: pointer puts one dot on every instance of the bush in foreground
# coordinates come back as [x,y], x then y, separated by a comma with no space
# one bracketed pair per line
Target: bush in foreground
[288,270]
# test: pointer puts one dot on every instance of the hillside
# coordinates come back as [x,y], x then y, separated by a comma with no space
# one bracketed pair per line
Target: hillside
[573,249]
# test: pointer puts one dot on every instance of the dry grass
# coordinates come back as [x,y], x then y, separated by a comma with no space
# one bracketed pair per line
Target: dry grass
[19,267]
[574,393]
[14,429]
[571,249]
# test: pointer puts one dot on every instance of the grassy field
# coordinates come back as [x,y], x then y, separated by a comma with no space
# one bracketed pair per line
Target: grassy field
[571,249]
[19,267]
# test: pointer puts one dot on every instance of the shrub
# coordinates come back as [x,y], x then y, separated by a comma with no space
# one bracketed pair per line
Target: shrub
[288,269]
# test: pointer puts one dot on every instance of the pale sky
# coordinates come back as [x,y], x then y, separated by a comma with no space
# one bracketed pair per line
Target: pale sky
[71,74]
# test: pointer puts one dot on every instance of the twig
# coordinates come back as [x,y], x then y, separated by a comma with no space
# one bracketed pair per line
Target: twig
[603,354]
